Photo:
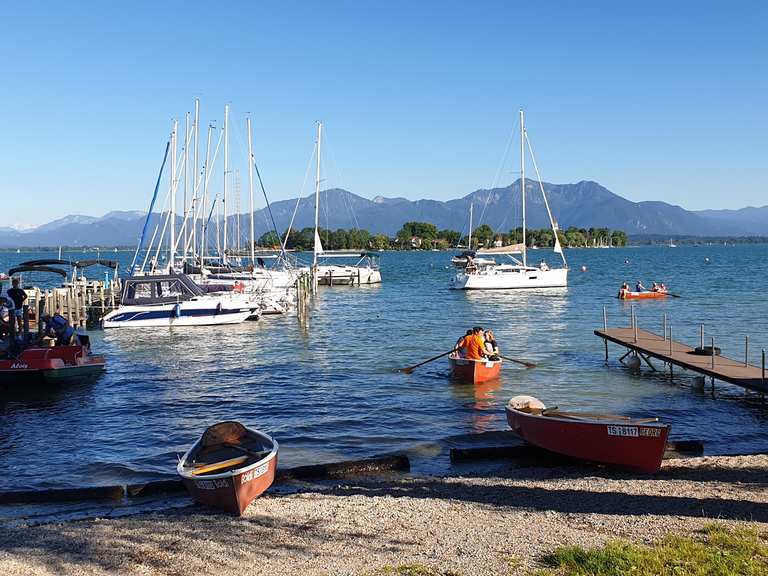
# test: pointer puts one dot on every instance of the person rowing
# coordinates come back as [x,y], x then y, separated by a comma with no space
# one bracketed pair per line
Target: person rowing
[639,287]
[624,289]
[475,344]
[460,348]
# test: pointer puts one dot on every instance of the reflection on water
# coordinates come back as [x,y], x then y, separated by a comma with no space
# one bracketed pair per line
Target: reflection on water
[327,388]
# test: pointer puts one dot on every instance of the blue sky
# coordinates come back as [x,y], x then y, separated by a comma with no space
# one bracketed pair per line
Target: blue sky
[654,100]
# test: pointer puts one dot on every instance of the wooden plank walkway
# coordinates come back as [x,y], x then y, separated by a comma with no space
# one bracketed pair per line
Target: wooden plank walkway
[679,354]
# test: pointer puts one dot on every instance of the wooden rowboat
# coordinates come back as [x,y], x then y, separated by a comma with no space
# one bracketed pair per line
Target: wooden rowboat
[229,466]
[637,444]
[629,295]
[474,371]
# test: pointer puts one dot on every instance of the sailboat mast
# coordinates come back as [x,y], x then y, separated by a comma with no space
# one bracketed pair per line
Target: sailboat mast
[195,177]
[226,174]
[172,215]
[471,204]
[184,208]
[204,221]
[250,187]
[522,180]
[317,194]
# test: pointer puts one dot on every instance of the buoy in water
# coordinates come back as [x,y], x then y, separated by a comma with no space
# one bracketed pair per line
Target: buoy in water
[706,260]
[583,268]
[626,260]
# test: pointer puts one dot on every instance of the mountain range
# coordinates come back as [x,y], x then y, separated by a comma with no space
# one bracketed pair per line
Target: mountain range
[584,204]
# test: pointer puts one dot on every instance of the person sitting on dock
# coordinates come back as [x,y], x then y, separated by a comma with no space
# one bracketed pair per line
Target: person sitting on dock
[639,287]
[18,296]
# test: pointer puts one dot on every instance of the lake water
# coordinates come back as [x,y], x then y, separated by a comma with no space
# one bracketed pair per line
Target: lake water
[327,391]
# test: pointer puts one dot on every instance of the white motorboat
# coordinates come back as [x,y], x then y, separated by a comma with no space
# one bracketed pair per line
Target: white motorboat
[479,270]
[175,300]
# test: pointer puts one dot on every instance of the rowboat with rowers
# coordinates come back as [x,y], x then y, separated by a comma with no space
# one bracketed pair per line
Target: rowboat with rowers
[229,466]
[637,444]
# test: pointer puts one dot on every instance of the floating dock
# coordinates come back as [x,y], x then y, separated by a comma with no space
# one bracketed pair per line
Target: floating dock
[649,345]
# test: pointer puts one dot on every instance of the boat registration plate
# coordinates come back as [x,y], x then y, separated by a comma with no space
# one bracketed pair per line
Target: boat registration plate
[623,431]
[255,473]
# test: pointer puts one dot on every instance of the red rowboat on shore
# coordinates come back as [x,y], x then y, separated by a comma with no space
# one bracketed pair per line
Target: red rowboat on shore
[637,444]
[46,365]
[229,466]
[629,295]
[474,371]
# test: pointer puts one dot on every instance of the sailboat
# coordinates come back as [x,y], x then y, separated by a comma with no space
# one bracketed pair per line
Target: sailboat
[366,268]
[482,272]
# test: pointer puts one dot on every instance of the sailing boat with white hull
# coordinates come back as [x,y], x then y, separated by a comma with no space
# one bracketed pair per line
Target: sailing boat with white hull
[364,271]
[482,272]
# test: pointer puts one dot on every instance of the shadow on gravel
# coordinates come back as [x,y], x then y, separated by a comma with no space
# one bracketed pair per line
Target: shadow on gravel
[569,501]
[203,542]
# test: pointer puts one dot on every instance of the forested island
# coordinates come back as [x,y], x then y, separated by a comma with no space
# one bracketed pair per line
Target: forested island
[426,236]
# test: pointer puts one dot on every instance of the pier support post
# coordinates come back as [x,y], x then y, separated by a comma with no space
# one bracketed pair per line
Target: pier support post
[605,327]
[762,378]
[701,336]
[670,340]
[665,325]
[713,351]
[746,350]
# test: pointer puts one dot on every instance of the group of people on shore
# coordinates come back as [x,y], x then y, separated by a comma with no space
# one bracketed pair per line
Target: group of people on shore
[477,344]
[655,287]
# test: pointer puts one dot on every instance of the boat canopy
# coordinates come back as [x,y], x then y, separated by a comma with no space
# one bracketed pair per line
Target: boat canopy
[47,262]
[159,289]
[24,268]
[96,262]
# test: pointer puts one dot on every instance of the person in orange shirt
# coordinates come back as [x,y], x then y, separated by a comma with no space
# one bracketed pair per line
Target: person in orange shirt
[475,344]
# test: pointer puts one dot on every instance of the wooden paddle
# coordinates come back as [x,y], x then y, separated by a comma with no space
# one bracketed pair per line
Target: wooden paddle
[523,362]
[410,369]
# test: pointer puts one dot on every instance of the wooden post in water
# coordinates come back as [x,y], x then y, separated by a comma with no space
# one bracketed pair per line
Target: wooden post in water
[25,321]
[40,313]
[746,350]
[605,327]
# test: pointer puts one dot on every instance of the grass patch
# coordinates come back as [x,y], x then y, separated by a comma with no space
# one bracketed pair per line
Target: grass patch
[714,551]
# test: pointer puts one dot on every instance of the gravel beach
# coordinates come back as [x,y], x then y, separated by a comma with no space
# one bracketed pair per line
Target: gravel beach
[467,525]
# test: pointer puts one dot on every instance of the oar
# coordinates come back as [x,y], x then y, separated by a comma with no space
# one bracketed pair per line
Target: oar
[674,295]
[523,362]
[410,369]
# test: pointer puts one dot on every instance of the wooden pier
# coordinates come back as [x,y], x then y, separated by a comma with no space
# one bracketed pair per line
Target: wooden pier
[648,345]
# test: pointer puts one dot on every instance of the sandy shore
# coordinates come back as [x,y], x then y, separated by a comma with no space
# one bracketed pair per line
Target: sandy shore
[470,525]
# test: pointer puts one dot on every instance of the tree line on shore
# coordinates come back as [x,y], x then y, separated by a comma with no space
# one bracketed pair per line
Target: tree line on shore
[426,236]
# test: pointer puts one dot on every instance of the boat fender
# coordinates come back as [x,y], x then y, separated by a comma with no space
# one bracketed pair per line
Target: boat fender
[218,308]
[177,311]
[526,403]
